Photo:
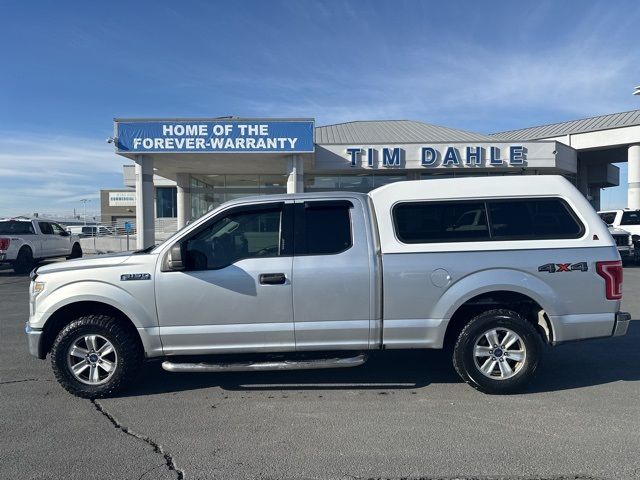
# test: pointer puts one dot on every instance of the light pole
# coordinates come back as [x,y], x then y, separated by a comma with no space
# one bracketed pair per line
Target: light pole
[84,206]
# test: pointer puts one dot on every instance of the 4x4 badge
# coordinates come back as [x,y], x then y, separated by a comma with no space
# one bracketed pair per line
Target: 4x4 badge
[563,267]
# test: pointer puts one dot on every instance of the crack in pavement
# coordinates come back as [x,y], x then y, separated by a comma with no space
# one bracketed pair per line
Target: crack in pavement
[157,448]
[150,470]
[19,381]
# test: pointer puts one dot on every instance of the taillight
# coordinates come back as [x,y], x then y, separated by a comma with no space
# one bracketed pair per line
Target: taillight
[4,243]
[612,273]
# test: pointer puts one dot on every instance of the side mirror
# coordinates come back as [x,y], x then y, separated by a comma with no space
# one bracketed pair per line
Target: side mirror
[174,259]
[64,233]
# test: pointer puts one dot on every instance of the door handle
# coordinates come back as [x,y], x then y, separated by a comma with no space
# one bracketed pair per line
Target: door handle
[272,278]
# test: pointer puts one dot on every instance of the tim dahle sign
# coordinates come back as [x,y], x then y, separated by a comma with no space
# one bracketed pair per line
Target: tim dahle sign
[223,136]
[440,156]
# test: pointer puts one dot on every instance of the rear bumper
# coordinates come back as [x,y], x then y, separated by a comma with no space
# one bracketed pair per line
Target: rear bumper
[34,341]
[569,328]
[622,324]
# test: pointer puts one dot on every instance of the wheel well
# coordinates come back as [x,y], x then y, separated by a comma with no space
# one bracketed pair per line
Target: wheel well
[518,302]
[65,315]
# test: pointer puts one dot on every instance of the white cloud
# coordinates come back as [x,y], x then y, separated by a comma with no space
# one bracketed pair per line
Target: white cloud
[50,174]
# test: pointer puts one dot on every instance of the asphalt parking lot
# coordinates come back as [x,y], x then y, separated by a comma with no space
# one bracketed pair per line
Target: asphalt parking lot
[404,414]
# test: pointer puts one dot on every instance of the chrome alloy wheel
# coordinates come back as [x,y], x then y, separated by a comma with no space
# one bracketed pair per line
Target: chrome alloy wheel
[92,359]
[499,353]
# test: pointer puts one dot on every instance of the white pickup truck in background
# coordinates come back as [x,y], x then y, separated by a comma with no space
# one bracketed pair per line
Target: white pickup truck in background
[24,241]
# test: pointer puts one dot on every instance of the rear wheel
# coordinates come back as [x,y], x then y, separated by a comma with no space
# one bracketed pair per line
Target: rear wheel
[24,261]
[498,352]
[95,356]
[76,251]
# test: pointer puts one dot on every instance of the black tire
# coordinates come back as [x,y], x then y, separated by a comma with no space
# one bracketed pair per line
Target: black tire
[24,261]
[76,251]
[128,355]
[464,359]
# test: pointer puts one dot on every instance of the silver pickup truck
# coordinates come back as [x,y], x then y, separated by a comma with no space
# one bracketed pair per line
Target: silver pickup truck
[493,267]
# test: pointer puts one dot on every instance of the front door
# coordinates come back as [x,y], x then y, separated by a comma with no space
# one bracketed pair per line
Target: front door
[235,293]
[60,240]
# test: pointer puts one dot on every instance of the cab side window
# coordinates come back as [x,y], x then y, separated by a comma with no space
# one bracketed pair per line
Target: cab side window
[240,235]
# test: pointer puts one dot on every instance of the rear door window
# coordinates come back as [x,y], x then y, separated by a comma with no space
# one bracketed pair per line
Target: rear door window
[323,227]
[45,228]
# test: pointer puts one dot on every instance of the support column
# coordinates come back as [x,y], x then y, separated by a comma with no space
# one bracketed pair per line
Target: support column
[145,231]
[633,177]
[594,193]
[583,177]
[295,181]
[183,181]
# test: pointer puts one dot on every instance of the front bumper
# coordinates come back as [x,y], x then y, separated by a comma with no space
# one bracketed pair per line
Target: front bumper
[622,324]
[34,340]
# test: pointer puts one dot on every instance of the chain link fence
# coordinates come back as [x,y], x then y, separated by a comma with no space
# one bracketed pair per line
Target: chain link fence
[118,236]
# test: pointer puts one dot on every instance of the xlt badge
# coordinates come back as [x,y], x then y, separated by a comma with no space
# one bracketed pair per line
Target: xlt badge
[135,276]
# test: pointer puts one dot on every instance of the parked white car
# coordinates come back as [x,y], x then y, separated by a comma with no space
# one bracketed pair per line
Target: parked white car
[628,220]
[25,241]
[624,221]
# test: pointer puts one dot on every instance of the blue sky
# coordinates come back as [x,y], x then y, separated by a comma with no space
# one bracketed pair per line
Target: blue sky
[70,67]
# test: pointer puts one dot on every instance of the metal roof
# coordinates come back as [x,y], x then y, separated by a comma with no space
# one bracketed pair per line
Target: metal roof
[591,124]
[393,131]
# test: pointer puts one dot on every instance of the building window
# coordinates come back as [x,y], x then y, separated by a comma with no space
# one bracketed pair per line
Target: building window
[166,202]
[353,183]
[210,191]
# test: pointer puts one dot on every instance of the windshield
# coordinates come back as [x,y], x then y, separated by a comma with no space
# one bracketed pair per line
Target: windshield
[16,228]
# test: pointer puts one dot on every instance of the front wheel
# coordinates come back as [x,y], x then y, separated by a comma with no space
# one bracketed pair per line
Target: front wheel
[76,252]
[95,356]
[498,352]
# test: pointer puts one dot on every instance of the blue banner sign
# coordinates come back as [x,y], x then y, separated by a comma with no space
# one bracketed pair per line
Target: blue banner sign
[220,136]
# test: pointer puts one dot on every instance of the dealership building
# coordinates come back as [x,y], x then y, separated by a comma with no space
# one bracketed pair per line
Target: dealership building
[185,167]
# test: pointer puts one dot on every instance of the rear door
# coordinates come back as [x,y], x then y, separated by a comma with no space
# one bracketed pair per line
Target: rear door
[331,276]
[47,240]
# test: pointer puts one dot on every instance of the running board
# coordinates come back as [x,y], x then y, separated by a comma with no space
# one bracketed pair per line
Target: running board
[266,366]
